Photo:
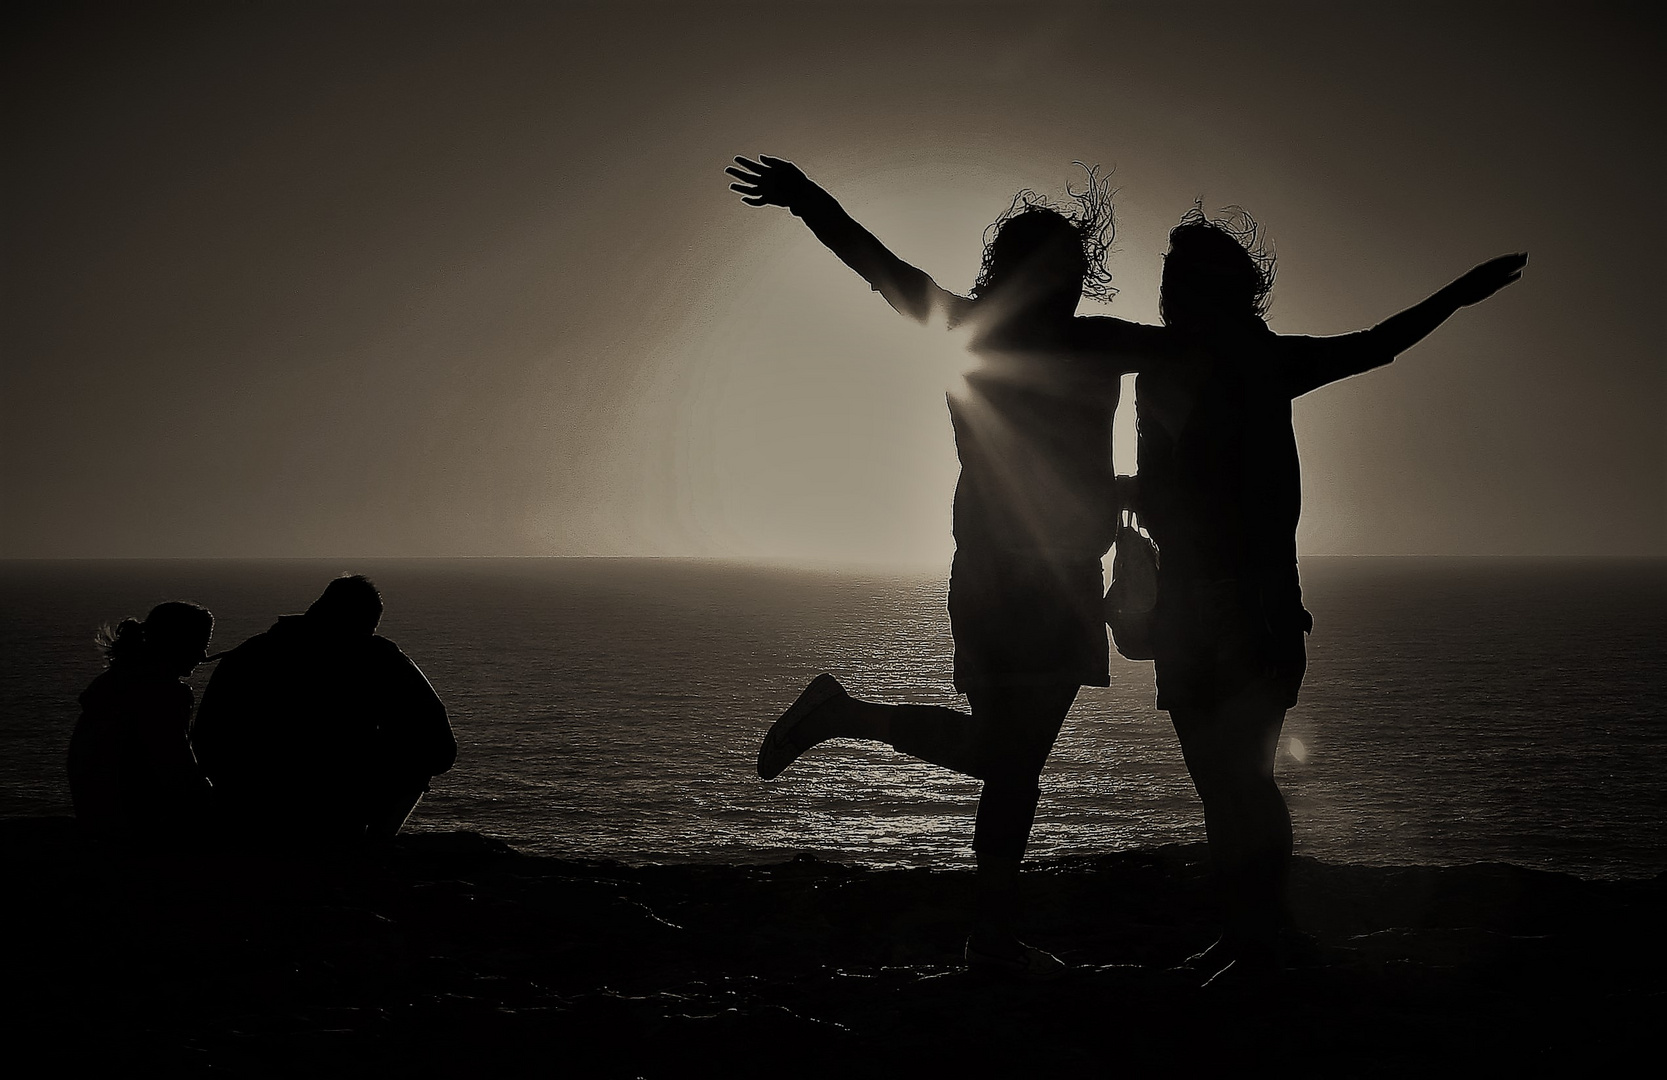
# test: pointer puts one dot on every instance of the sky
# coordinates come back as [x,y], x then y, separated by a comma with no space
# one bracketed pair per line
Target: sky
[375,279]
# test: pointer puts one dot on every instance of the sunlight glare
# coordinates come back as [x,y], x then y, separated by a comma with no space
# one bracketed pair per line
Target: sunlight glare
[1123,431]
[947,353]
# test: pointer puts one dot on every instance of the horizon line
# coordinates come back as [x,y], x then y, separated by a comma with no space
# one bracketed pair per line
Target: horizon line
[784,561]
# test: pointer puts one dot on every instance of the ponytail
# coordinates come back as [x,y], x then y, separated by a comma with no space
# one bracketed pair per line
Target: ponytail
[122,644]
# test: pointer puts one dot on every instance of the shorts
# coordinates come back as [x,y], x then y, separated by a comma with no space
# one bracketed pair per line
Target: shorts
[1213,639]
[1027,619]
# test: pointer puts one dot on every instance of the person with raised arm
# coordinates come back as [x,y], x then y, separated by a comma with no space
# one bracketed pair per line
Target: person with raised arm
[1220,490]
[1034,512]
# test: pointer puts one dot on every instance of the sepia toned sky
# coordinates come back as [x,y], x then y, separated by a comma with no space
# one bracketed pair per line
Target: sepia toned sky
[370,279]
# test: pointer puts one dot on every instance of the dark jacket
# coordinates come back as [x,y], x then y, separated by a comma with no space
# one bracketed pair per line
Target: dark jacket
[131,770]
[302,730]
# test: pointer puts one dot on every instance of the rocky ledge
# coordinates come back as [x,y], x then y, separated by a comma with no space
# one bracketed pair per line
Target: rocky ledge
[454,954]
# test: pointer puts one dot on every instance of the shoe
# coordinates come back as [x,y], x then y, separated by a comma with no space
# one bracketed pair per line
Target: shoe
[785,740]
[1031,965]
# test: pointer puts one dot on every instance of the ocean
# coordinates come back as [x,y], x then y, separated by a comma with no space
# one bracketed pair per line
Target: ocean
[1455,711]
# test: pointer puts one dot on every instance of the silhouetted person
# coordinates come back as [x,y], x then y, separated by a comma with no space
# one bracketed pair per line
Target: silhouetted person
[1221,493]
[319,731]
[1034,512]
[131,771]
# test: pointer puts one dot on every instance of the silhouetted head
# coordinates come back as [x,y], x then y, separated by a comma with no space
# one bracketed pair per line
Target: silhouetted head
[172,640]
[349,606]
[1041,258]
[1218,272]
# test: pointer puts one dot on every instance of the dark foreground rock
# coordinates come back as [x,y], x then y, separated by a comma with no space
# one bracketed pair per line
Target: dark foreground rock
[453,954]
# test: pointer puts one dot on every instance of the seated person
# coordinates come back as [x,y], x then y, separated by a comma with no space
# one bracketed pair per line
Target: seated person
[131,771]
[320,731]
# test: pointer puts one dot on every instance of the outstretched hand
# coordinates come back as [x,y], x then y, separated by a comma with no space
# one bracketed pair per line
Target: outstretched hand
[1488,278]
[768,181]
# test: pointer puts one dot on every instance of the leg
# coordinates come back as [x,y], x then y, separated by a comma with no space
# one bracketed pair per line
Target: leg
[932,733]
[1017,728]
[1005,743]
[1229,750]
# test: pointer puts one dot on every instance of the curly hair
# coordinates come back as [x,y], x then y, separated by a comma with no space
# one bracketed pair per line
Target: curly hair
[1237,247]
[1088,213]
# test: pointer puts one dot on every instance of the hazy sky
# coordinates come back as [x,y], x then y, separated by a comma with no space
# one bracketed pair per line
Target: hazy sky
[413,279]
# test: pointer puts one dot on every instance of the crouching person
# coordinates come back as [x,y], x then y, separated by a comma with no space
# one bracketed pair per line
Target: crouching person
[131,771]
[320,732]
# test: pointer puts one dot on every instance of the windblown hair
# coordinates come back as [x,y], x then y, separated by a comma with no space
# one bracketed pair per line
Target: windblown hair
[121,643]
[174,623]
[1227,258]
[1088,212]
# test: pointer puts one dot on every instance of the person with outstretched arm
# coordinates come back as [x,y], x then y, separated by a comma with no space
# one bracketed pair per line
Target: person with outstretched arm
[1034,513]
[1220,491]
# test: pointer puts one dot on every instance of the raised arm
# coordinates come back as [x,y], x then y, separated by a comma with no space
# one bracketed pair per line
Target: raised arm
[774,182]
[1401,332]
[1314,362]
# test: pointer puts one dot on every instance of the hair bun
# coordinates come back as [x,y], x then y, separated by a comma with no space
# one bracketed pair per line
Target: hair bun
[127,638]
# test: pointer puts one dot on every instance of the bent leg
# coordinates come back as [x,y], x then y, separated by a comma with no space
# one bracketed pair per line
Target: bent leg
[935,734]
[932,733]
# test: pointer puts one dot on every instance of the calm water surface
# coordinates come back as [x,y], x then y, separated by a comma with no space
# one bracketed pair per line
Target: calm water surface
[1455,710]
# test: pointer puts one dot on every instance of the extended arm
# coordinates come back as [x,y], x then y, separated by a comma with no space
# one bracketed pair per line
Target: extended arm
[1401,332]
[1122,347]
[1313,362]
[774,182]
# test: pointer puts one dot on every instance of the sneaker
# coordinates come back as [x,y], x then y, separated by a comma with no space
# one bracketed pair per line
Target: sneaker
[786,739]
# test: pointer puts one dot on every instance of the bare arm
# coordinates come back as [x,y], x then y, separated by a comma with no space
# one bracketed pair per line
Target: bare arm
[1401,332]
[774,182]
[1314,362]
[1124,347]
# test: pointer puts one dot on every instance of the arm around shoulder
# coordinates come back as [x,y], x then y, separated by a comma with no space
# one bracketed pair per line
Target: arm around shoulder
[1126,347]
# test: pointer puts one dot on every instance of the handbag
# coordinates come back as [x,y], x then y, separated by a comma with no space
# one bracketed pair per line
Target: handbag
[1132,600]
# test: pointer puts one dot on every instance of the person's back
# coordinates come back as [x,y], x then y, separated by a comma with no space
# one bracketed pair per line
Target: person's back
[307,729]
[275,738]
[410,736]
